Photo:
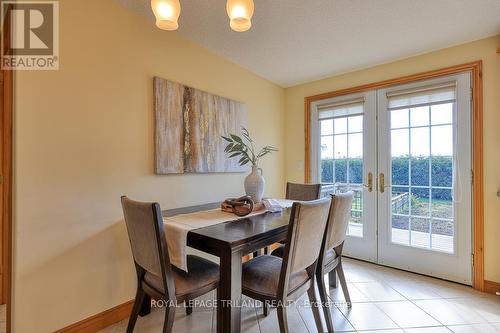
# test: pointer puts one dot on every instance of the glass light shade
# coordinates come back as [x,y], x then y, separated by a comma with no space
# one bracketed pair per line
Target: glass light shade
[240,14]
[167,13]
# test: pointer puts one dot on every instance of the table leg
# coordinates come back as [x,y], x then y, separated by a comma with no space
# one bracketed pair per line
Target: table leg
[229,295]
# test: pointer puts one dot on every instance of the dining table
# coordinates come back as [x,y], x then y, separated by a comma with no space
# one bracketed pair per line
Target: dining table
[230,241]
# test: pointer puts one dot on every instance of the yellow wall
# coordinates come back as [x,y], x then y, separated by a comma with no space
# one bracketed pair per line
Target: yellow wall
[84,136]
[480,50]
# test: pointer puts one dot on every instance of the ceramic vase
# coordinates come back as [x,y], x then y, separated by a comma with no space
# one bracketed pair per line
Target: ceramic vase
[254,184]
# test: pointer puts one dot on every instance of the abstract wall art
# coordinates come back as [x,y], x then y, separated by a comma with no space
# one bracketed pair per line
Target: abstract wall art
[189,124]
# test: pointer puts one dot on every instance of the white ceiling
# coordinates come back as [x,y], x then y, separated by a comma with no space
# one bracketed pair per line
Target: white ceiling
[295,41]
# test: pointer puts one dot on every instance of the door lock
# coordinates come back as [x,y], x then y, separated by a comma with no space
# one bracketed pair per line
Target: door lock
[370,182]
[382,183]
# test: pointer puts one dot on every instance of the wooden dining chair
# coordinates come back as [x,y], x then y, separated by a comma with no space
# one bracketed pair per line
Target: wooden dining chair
[271,279]
[298,192]
[156,278]
[303,192]
[330,256]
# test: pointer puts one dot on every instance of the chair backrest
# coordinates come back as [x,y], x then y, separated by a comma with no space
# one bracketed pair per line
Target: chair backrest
[145,230]
[305,235]
[340,214]
[303,192]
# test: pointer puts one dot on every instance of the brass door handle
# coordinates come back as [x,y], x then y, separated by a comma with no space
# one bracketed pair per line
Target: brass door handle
[370,182]
[382,183]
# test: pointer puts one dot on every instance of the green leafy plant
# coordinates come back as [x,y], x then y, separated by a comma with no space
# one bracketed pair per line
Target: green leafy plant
[244,148]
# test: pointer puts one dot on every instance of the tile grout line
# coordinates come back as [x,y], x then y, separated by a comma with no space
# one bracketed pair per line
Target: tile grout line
[303,321]
[212,326]
[338,309]
[405,299]
[257,317]
[388,315]
[412,302]
[350,323]
[430,315]
[486,321]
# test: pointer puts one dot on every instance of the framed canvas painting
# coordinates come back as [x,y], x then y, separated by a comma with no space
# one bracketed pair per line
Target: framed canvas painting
[189,124]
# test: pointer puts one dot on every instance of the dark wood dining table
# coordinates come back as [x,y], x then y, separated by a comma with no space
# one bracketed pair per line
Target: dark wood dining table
[230,241]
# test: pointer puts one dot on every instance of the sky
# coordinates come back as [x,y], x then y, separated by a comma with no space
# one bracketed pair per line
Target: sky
[420,131]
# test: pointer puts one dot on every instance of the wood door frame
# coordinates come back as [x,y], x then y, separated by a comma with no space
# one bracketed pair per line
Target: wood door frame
[6,160]
[477,145]
[7,193]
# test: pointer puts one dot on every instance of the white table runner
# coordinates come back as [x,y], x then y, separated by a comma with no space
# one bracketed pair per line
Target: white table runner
[177,227]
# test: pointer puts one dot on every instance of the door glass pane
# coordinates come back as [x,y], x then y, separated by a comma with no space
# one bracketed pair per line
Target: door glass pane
[340,170]
[419,201]
[356,223]
[442,140]
[342,163]
[419,138]
[422,177]
[356,171]
[327,147]
[442,114]
[326,171]
[419,235]
[400,230]
[399,118]
[356,145]
[400,142]
[440,171]
[340,125]
[400,201]
[442,204]
[419,116]
[400,170]
[419,171]
[326,127]
[442,235]
[340,146]
[326,150]
[355,124]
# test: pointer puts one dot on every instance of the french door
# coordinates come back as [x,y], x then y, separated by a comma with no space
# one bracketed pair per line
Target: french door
[344,157]
[405,153]
[424,165]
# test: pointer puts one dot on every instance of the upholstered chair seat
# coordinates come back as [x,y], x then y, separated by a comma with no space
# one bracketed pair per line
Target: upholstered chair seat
[202,273]
[261,276]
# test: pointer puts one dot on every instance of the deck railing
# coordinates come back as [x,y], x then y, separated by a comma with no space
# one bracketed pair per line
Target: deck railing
[357,202]
[399,201]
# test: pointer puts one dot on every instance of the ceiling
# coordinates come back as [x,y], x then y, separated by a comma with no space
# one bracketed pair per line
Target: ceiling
[295,41]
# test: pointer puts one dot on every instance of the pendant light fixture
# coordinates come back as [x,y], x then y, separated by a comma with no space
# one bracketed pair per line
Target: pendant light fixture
[240,14]
[167,13]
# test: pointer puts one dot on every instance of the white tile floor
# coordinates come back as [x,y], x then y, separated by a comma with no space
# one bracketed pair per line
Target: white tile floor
[384,300]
